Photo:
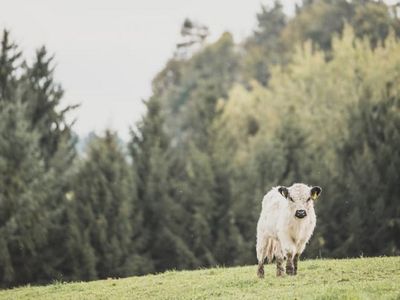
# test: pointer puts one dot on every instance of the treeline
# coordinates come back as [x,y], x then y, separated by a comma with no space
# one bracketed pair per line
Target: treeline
[314,98]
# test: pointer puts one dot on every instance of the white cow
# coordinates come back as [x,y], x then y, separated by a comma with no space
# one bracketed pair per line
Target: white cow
[286,223]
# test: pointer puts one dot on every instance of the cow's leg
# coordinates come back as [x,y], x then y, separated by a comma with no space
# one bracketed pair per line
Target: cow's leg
[261,248]
[260,269]
[280,268]
[295,260]
[300,248]
[290,264]
[287,248]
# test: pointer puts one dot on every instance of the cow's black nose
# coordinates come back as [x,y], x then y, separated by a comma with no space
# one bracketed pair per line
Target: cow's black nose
[300,213]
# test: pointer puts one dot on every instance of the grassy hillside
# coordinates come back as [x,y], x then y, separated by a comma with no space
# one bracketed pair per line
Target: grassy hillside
[363,278]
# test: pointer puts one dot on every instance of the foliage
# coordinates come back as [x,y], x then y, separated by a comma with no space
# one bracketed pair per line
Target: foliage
[24,191]
[35,151]
[371,148]
[319,20]
[103,196]
[164,246]
[9,63]
[265,48]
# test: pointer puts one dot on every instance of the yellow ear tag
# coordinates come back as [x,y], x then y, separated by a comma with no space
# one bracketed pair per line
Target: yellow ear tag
[314,196]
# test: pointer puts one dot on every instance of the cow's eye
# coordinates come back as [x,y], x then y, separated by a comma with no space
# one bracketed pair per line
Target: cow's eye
[291,199]
[309,199]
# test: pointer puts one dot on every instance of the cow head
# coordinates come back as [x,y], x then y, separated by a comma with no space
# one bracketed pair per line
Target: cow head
[300,198]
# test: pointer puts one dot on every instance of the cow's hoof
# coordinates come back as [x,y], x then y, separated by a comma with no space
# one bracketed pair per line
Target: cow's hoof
[260,272]
[290,272]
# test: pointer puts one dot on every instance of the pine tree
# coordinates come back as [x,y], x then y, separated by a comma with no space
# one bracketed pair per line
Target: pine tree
[189,90]
[24,192]
[9,63]
[320,20]
[265,47]
[293,141]
[149,149]
[43,97]
[227,239]
[193,186]
[78,261]
[371,162]
[104,198]
[374,19]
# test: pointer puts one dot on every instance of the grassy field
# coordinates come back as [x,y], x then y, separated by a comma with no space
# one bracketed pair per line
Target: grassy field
[362,278]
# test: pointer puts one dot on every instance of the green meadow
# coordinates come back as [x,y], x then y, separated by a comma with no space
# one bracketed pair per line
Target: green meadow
[361,278]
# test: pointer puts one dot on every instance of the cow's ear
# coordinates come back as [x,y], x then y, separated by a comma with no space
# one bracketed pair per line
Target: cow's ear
[283,191]
[315,192]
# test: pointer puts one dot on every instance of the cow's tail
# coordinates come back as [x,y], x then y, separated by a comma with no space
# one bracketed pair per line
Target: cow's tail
[271,246]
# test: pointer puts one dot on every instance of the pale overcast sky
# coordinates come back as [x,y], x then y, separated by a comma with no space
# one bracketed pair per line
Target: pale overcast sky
[107,52]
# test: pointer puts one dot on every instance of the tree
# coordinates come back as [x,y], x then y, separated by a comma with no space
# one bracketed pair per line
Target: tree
[290,131]
[227,239]
[189,94]
[371,162]
[43,98]
[265,47]
[193,187]
[193,37]
[318,21]
[374,20]
[149,148]
[78,261]
[104,197]
[9,63]
[30,94]
[188,91]
[25,188]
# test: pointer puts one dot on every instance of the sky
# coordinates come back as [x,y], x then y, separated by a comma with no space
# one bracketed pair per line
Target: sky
[107,52]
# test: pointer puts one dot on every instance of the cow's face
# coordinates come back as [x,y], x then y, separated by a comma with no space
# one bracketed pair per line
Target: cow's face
[300,198]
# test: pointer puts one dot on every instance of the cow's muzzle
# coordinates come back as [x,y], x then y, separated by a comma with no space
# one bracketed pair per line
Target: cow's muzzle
[300,213]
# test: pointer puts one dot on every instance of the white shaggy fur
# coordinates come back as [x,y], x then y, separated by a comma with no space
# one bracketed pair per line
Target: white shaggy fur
[279,232]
